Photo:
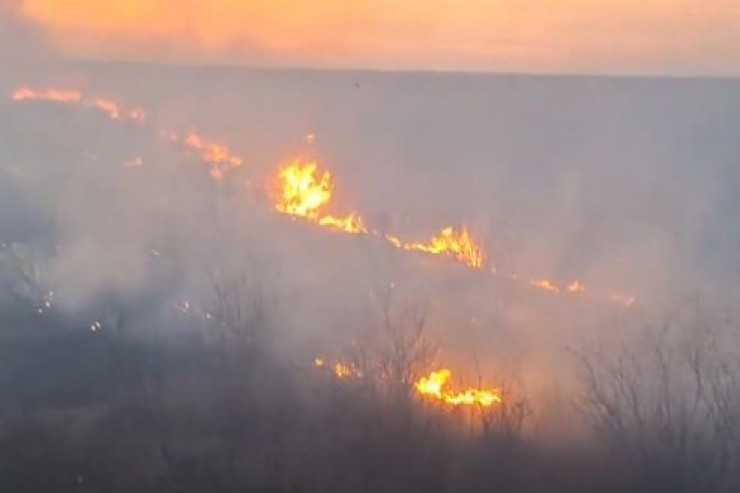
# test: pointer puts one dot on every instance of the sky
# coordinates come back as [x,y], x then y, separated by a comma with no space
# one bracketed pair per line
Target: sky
[690,37]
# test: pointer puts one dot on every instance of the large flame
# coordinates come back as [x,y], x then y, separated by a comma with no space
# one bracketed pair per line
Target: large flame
[436,386]
[305,193]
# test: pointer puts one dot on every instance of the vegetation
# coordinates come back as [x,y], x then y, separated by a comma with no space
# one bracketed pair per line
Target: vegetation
[219,409]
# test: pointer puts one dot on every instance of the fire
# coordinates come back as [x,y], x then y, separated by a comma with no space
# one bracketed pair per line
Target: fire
[458,244]
[107,107]
[350,224]
[56,95]
[545,285]
[217,155]
[436,386]
[576,287]
[305,193]
[344,371]
[433,386]
[338,369]
[113,110]
[302,193]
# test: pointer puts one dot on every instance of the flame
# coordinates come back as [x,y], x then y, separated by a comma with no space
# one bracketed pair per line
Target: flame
[350,224]
[113,110]
[338,369]
[56,95]
[108,107]
[305,193]
[217,155]
[436,386]
[576,287]
[545,285]
[302,193]
[459,245]
[344,371]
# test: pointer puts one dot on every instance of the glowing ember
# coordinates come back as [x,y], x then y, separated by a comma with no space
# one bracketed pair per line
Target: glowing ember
[436,386]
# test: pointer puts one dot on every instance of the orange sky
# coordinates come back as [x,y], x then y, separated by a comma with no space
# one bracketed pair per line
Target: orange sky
[653,36]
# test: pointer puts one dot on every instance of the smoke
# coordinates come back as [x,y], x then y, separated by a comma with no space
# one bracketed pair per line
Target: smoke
[615,183]
[24,54]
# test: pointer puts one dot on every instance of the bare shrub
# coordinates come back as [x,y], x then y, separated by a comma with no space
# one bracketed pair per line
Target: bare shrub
[667,404]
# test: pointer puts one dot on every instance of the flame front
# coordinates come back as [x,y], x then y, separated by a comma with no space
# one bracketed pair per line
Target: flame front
[436,386]
[304,192]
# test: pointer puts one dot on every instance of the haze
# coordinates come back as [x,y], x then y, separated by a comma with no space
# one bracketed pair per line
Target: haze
[503,281]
